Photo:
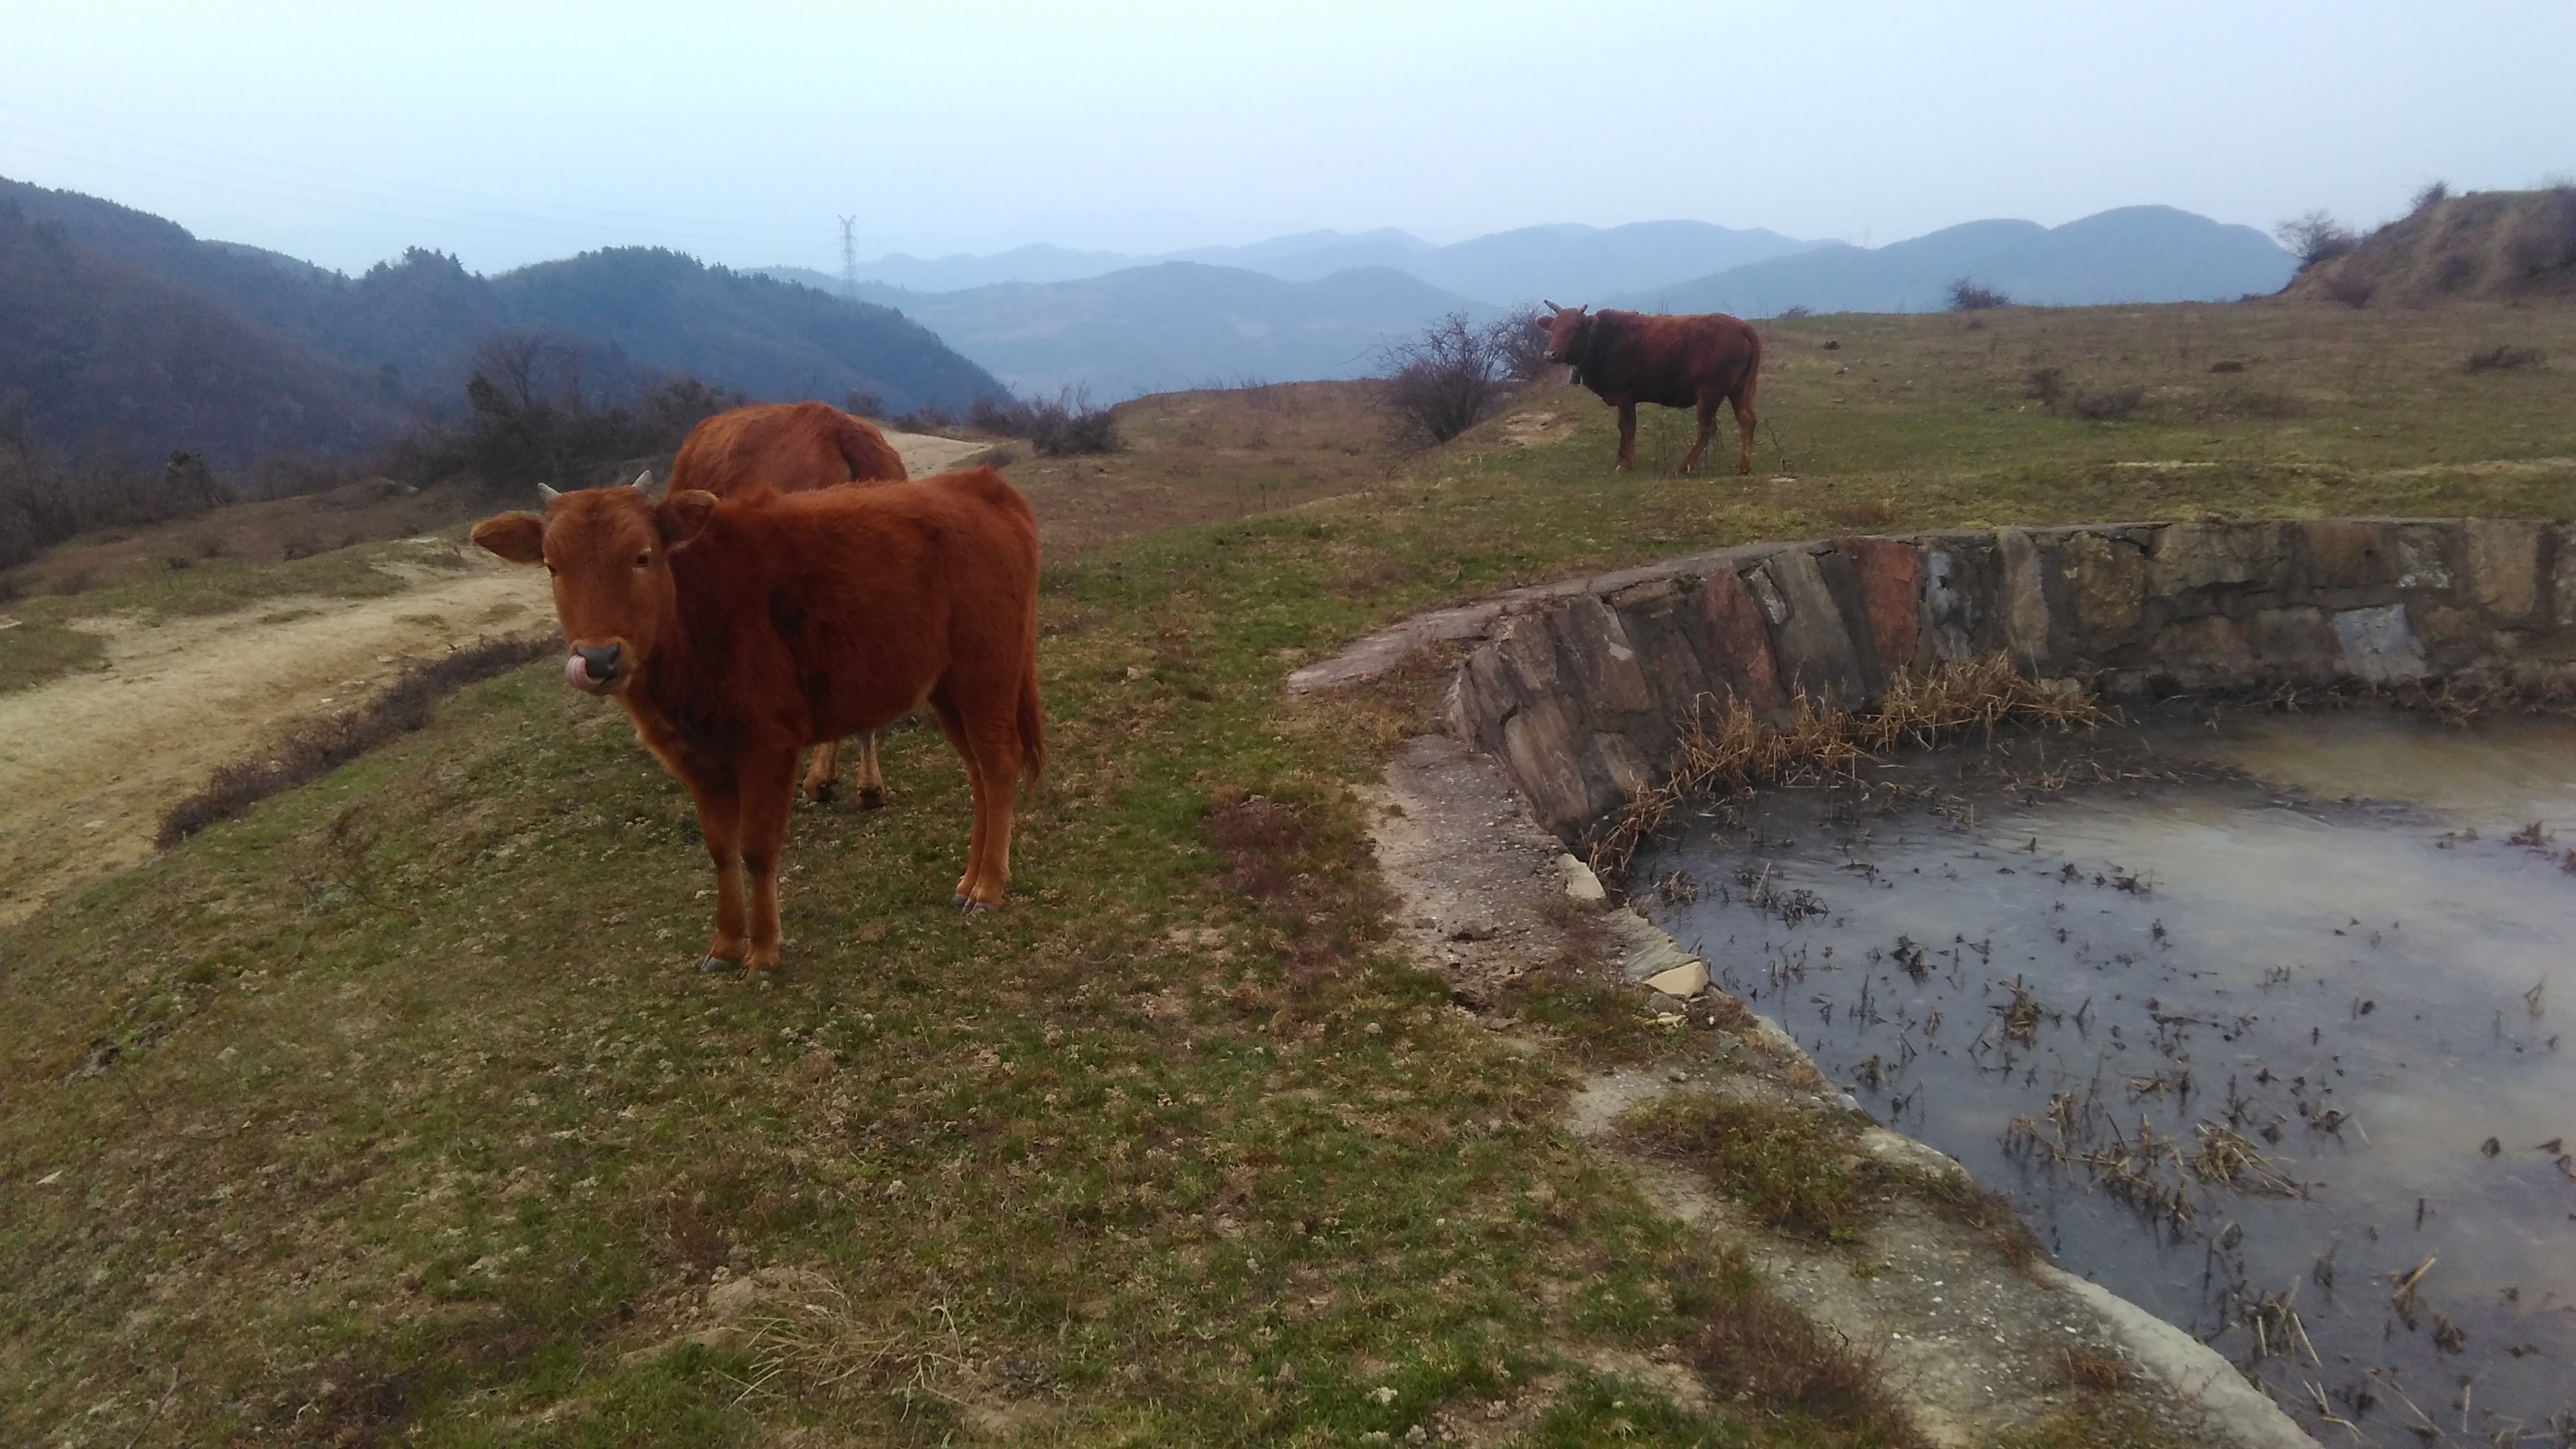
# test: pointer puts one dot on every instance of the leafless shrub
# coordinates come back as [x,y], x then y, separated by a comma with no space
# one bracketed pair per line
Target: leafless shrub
[1070,423]
[2107,406]
[2431,193]
[301,542]
[1967,294]
[2315,237]
[2350,290]
[1446,379]
[2047,384]
[2501,357]
[1794,311]
[75,581]
[2227,364]
[1521,341]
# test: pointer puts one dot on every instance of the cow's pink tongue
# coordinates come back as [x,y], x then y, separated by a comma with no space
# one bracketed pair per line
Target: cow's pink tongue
[576,671]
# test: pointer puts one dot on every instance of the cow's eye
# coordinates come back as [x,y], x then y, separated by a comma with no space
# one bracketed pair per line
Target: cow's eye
[644,559]
[550,571]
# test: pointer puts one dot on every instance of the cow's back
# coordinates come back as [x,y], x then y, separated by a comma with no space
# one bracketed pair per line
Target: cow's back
[789,447]
[869,594]
[1668,360]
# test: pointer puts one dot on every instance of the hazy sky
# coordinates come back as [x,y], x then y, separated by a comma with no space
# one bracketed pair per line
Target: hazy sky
[509,133]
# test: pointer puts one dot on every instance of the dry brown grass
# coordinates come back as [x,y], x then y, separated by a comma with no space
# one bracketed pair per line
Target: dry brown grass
[1209,456]
[1729,748]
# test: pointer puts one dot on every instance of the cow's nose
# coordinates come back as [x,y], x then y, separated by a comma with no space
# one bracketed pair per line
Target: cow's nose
[599,660]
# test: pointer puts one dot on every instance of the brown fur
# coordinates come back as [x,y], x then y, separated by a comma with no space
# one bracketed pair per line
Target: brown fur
[794,448]
[1675,362]
[751,627]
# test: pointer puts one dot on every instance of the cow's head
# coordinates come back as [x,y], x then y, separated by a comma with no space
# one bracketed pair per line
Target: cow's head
[609,552]
[1568,328]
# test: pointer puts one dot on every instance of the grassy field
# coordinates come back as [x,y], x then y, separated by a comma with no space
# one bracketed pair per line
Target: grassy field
[392,1108]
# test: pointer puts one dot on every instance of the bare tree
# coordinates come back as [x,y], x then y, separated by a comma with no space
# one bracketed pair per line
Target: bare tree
[2315,237]
[1446,379]
[1967,294]
[1520,341]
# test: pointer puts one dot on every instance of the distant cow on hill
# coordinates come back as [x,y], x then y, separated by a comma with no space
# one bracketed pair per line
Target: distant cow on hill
[794,448]
[1675,362]
[735,632]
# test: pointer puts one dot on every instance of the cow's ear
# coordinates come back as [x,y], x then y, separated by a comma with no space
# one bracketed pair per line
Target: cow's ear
[680,516]
[514,536]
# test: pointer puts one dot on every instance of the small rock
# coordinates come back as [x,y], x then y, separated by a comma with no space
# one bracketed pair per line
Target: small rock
[1685,981]
[1660,1004]
[50,1178]
[1580,882]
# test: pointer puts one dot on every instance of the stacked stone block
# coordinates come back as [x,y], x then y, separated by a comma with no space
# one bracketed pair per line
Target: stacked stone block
[1583,696]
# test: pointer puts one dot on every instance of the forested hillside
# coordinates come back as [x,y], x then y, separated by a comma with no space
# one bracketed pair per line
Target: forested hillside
[121,333]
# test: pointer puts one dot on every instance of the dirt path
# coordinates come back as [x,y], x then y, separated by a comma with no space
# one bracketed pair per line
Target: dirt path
[88,763]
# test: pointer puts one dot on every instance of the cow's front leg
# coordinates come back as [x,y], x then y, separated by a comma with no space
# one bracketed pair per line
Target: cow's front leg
[1707,423]
[719,824]
[1627,436]
[766,782]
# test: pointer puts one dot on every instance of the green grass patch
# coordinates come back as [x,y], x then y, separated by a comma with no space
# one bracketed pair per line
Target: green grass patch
[37,650]
[1788,1167]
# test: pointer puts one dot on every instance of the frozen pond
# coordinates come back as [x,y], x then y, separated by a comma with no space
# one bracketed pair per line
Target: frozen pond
[2258,1022]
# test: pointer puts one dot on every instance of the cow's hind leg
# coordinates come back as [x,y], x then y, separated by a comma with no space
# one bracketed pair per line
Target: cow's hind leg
[1627,436]
[953,724]
[820,775]
[765,780]
[871,778]
[1708,402]
[1743,405]
[987,735]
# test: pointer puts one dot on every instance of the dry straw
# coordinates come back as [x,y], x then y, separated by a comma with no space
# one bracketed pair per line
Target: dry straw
[1727,747]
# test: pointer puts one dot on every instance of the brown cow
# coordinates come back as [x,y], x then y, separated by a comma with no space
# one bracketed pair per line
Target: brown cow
[736,632]
[1675,362]
[794,448]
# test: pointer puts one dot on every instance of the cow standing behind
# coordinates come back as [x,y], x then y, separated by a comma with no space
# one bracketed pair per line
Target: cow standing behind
[1675,362]
[794,448]
[736,632]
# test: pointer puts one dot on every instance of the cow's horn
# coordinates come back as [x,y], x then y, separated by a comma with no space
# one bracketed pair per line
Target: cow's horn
[644,483]
[546,493]
[1551,306]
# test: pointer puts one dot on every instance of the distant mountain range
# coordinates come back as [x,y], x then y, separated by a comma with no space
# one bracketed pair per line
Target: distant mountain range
[1177,325]
[1500,270]
[1320,304]
[121,330]
[2134,254]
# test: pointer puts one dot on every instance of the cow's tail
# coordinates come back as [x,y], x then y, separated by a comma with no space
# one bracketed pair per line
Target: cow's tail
[1032,728]
[869,457]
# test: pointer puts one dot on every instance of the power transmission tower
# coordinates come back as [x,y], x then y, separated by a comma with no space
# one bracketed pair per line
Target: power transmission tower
[849,256]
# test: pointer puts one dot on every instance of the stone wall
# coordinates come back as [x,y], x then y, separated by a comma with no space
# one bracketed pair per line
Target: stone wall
[1581,692]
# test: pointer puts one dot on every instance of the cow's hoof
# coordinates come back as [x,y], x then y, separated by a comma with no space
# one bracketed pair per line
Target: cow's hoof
[871,799]
[818,795]
[967,904]
[717,966]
